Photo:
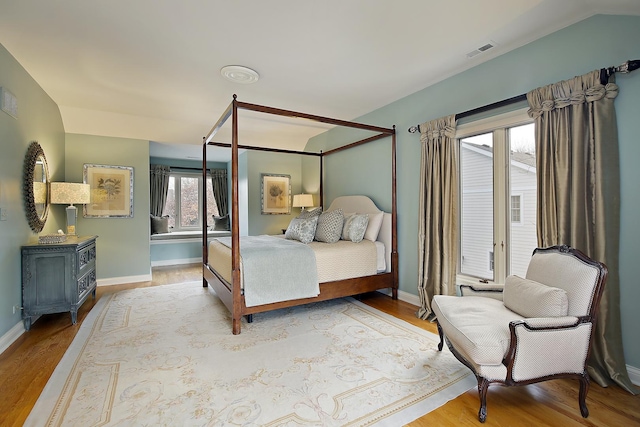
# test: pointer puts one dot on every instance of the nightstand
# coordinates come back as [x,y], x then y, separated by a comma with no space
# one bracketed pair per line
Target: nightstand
[57,277]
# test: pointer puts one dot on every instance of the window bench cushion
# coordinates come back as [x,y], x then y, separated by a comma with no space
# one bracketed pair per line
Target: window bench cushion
[476,326]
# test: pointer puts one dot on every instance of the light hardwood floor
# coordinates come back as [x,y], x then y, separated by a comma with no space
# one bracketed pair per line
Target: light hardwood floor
[26,366]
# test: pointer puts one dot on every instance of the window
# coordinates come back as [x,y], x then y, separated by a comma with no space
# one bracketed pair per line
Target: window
[184,204]
[497,197]
[516,208]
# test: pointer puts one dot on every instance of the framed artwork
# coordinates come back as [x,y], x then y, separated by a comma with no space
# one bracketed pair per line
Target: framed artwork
[275,194]
[111,191]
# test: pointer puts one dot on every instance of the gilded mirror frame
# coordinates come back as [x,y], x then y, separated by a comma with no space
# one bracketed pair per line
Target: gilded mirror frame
[35,184]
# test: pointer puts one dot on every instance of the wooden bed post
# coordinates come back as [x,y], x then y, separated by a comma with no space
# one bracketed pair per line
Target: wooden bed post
[235,226]
[205,241]
[394,218]
[321,181]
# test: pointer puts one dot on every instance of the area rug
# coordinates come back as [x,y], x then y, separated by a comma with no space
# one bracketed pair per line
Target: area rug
[165,356]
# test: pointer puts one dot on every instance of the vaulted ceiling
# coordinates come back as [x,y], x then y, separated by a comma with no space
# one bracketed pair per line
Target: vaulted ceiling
[150,69]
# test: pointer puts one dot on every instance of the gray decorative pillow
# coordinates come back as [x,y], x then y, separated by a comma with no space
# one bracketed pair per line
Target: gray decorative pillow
[159,224]
[302,229]
[221,223]
[311,213]
[354,227]
[329,227]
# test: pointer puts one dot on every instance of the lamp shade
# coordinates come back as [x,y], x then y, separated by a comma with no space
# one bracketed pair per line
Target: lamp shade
[40,192]
[69,193]
[302,200]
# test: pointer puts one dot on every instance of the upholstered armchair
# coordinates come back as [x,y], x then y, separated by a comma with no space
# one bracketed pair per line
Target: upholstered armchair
[541,328]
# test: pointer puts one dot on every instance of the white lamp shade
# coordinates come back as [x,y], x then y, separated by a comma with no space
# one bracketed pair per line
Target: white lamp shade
[302,200]
[40,192]
[68,193]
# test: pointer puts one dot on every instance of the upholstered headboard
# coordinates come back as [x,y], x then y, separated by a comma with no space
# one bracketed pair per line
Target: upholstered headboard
[363,204]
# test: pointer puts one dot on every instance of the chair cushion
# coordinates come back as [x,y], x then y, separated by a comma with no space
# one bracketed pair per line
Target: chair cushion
[478,327]
[563,270]
[532,299]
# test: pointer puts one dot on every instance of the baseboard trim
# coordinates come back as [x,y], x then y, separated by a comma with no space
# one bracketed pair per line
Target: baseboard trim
[403,296]
[181,261]
[124,279]
[11,336]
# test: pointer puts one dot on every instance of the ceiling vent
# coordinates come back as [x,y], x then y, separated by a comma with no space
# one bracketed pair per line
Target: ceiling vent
[481,49]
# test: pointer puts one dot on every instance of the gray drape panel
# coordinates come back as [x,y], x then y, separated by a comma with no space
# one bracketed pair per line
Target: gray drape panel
[438,214]
[220,190]
[579,198]
[159,187]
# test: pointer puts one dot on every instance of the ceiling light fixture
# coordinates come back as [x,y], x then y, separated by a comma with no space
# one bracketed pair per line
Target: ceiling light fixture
[239,74]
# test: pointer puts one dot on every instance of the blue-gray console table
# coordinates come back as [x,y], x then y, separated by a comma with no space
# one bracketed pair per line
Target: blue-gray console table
[57,277]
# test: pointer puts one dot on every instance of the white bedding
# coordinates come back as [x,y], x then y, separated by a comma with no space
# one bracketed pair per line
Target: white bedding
[334,261]
[275,269]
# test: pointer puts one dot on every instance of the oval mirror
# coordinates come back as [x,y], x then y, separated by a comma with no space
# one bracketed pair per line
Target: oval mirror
[36,187]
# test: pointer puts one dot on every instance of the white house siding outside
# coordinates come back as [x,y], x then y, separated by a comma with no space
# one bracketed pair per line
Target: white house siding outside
[477,212]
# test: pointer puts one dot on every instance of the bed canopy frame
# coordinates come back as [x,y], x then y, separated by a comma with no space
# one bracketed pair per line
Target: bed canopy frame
[230,293]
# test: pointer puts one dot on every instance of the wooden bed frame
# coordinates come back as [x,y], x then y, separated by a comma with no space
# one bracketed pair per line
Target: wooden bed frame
[230,293]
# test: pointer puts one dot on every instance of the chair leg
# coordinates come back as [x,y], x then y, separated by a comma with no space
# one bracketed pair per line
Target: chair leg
[582,397]
[483,386]
[441,335]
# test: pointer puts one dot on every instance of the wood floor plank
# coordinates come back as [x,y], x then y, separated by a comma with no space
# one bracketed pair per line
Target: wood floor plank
[26,366]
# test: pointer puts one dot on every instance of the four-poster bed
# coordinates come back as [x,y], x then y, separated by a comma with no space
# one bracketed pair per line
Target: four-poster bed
[228,285]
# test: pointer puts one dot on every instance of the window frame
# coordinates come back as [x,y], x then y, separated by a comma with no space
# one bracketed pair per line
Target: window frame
[520,197]
[498,125]
[177,174]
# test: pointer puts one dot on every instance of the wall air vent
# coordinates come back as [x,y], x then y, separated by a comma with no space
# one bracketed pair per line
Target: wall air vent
[481,49]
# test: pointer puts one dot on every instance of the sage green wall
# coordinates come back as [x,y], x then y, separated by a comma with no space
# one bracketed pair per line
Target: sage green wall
[38,120]
[123,243]
[259,162]
[594,43]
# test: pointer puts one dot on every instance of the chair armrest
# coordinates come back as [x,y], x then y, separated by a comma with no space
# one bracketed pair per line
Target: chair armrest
[547,346]
[550,322]
[482,290]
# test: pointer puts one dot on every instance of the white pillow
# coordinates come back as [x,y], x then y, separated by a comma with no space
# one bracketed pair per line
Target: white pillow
[373,228]
[354,227]
[532,299]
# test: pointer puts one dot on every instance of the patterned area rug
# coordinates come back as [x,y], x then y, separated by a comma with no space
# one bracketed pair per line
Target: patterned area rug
[166,356]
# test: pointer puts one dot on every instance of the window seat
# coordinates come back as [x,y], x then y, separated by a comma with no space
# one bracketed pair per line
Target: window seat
[185,236]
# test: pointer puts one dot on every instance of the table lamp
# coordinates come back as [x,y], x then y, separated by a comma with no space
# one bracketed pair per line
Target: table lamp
[302,201]
[70,193]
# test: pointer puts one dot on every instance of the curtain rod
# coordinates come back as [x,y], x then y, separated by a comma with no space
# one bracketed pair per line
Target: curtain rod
[626,67]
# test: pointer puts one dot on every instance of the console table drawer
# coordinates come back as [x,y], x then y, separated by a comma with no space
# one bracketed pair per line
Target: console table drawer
[87,258]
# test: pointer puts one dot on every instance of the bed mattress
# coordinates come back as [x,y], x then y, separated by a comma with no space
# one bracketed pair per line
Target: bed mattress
[334,261]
